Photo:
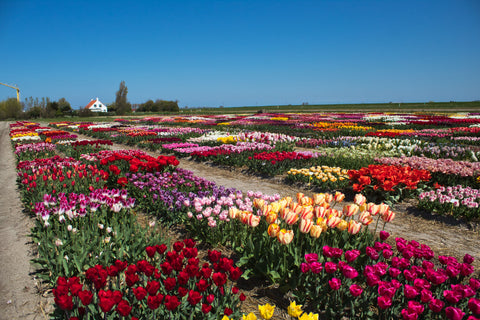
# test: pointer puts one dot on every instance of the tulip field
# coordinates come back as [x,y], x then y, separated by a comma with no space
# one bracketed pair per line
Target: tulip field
[105,199]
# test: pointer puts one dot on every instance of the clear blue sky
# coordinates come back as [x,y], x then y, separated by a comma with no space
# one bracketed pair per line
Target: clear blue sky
[237,53]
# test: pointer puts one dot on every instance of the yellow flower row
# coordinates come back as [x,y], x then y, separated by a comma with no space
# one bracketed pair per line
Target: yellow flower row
[396,131]
[324,173]
[340,125]
[228,139]
[267,310]
[24,134]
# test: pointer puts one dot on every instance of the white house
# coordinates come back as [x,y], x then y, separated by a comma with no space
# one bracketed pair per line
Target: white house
[96,106]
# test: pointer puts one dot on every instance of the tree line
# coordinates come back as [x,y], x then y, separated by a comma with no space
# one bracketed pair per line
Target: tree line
[33,108]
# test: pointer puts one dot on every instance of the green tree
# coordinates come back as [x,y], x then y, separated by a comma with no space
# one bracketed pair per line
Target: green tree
[123,106]
[64,106]
[10,108]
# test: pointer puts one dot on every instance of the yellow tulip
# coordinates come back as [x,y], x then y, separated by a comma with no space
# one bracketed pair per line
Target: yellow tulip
[266,311]
[310,316]
[249,316]
[294,310]
[273,230]
[225,318]
[316,231]
[342,225]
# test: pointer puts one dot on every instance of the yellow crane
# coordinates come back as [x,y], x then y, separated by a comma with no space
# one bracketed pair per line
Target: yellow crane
[18,90]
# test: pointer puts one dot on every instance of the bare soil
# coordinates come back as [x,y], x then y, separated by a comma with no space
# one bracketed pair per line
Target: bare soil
[20,299]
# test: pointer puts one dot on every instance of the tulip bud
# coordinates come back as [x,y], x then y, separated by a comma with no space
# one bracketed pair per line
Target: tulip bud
[253,220]
[328,197]
[233,212]
[299,196]
[373,209]
[383,208]
[283,212]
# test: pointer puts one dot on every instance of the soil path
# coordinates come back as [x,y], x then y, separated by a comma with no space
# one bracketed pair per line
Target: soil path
[18,293]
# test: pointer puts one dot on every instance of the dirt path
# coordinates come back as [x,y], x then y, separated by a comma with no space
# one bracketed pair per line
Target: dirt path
[18,293]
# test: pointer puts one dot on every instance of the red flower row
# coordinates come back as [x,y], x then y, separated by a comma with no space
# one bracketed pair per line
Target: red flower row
[387,177]
[179,274]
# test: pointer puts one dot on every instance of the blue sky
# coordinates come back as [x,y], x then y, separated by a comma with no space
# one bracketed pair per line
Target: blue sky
[242,53]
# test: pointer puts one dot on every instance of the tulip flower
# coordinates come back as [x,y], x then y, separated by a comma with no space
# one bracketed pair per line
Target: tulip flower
[359,199]
[318,198]
[305,225]
[309,316]
[388,216]
[284,236]
[319,211]
[266,311]
[338,197]
[333,221]
[273,230]
[291,218]
[365,218]
[354,227]
[350,210]
[342,225]
[294,310]
[316,231]
[249,316]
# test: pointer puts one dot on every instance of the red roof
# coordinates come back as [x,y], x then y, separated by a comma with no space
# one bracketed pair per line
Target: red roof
[90,104]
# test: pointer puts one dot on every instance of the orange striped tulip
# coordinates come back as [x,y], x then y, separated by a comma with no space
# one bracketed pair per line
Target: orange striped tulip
[365,218]
[354,227]
[291,218]
[319,211]
[388,216]
[284,236]
[359,199]
[318,198]
[383,208]
[332,221]
[305,225]
[273,230]
[307,213]
[338,197]
[271,217]
[342,225]
[350,210]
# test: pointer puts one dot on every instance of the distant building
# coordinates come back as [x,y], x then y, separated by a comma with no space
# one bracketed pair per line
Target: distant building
[96,106]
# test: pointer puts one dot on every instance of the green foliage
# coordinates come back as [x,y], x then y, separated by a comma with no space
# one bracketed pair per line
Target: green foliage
[10,109]
[158,105]
[121,103]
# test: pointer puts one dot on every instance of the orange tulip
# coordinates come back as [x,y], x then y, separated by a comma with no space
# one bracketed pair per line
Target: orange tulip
[273,230]
[342,225]
[316,231]
[271,217]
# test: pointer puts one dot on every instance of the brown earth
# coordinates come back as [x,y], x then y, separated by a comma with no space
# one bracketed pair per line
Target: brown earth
[18,288]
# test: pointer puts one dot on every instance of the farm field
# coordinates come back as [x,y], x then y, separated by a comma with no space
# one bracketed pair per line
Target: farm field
[244,216]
